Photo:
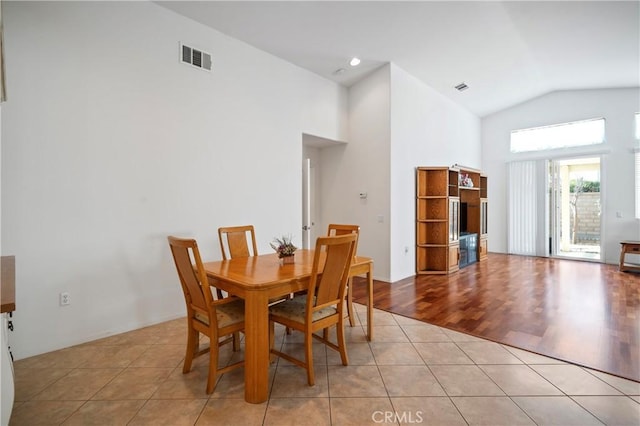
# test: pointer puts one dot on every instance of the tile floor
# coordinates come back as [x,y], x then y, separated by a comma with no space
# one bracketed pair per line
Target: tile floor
[412,373]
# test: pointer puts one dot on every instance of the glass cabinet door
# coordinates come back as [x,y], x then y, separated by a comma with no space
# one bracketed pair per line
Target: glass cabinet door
[483,217]
[454,219]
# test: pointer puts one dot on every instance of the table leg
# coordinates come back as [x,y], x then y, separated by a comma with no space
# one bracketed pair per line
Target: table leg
[256,356]
[352,320]
[370,303]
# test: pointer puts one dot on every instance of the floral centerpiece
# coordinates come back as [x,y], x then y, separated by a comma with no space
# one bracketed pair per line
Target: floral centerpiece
[284,248]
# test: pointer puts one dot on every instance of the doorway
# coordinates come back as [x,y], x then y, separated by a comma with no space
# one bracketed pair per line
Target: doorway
[575,208]
[314,149]
[309,213]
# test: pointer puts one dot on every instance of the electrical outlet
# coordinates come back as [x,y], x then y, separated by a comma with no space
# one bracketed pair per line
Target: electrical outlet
[64,299]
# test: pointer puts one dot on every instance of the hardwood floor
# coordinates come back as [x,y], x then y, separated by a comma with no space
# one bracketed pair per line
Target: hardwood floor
[581,312]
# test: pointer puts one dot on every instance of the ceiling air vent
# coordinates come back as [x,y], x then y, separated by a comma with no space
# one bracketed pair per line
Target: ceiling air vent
[194,57]
[460,87]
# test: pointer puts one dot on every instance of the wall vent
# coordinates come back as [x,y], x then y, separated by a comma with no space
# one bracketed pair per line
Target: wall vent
[195,57]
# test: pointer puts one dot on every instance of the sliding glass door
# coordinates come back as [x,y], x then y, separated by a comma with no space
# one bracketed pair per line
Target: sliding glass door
[574,213]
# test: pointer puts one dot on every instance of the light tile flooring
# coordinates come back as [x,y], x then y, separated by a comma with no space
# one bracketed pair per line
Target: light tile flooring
[412,373]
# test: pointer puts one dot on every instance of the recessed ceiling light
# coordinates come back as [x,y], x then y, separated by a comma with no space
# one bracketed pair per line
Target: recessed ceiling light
[460,87]
[354,62]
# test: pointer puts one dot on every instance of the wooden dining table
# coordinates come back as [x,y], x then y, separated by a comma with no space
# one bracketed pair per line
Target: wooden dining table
[257,279]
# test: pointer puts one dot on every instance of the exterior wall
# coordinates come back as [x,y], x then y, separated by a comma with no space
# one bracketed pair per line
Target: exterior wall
[588,230]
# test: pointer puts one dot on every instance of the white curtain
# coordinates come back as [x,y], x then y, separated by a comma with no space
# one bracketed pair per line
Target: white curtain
[523,207]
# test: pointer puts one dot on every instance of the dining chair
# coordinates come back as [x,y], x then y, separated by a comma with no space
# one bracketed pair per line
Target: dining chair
[236,241]
[213,318]
[339,229]
[233,243]
[322,306]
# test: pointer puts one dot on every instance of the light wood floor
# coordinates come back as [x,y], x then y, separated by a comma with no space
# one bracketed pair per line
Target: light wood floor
[581,312]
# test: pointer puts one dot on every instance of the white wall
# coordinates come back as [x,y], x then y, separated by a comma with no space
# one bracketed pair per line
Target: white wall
[396,123]
[618,107]
[362,165]
[109,144]
[427,129]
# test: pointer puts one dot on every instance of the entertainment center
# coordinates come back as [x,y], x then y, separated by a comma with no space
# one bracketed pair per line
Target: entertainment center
[451,218]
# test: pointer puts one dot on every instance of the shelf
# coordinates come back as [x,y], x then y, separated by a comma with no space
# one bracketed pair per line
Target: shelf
[432,208]
[432,182]
[436,232]
[432,260]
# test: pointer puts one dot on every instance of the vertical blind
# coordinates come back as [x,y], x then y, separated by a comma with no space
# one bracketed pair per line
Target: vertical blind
[637,122]
[637,183]
[522,208]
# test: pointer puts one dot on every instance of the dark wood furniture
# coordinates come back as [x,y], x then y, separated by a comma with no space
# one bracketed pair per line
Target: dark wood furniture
[629,247]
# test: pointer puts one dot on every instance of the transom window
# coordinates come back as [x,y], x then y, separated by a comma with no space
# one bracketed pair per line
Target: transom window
[566,135]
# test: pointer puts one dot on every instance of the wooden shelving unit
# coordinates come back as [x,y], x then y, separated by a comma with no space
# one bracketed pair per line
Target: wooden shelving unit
[441,192]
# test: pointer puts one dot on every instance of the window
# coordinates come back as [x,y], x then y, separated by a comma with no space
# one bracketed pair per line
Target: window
[577,133]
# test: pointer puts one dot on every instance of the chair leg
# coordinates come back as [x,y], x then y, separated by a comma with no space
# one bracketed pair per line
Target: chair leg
[192,349]
[341,342]
[213,364]
[236,341]
[352,320]
[308,356]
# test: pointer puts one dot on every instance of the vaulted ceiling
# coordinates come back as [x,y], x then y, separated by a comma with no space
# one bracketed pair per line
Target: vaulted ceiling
[506,52]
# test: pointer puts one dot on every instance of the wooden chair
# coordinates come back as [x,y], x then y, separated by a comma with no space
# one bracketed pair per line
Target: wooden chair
[213,318]
[236,239]
[323,305]
[337,229]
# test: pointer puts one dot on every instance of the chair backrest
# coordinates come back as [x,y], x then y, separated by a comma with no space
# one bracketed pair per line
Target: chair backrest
[236,238]
[193,278]
[339,229]
[329,287]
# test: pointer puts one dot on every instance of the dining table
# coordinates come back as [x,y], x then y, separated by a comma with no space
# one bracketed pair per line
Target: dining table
[259,279]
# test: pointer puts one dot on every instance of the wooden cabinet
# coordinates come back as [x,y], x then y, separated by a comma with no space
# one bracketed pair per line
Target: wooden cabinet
[450,202]
[484,204]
